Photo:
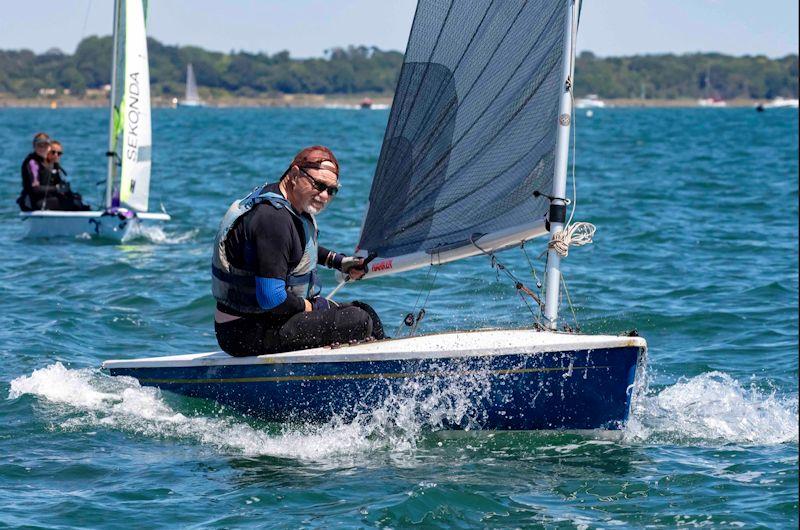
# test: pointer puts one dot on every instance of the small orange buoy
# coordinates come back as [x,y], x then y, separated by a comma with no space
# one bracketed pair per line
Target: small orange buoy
[54,104]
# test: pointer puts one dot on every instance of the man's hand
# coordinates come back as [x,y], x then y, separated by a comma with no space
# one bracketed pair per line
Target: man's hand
[320,303]
[354,267]
[308,307]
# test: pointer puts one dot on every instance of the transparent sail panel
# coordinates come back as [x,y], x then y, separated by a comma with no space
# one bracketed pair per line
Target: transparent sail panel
[472,130]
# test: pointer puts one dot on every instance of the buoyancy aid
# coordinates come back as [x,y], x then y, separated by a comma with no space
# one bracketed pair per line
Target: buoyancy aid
[235,287]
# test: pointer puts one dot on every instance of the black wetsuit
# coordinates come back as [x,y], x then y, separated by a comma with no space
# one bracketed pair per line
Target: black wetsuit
[270,242]
[44,189]
[37,193]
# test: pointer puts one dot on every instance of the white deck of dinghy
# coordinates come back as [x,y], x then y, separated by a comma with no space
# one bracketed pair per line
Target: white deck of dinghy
[440,345]
[90,214]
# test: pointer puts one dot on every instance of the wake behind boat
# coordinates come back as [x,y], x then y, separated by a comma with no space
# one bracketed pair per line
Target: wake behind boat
[129,146]
[473,162]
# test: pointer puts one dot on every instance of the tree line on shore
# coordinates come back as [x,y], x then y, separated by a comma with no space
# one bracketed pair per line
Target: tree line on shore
[369,70]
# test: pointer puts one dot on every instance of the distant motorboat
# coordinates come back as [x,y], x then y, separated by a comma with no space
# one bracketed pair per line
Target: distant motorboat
[192,98]
[781,103]
[592,101]
[711,102]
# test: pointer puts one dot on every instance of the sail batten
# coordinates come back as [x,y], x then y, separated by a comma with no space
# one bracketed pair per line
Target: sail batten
[472,130]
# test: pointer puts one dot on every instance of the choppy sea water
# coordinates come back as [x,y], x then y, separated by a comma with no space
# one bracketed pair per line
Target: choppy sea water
[697,245]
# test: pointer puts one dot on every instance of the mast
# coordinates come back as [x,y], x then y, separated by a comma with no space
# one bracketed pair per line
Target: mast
[112,163]
[558,204]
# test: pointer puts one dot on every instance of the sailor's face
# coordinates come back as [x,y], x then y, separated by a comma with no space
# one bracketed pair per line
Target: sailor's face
[42,149]
[309,181]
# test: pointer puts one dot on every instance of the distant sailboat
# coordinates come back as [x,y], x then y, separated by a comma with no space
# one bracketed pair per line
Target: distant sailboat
[711,100]
[192,98]
[129,143]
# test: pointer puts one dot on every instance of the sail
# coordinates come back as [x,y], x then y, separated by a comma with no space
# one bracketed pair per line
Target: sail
[130,123]
[472,130]
[191,85]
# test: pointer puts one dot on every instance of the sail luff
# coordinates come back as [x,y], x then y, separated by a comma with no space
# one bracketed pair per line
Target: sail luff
[112,163]
[558,205]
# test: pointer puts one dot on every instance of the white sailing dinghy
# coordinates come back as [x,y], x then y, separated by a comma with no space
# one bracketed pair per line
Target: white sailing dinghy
[474,161]
[192,98]
[129,144]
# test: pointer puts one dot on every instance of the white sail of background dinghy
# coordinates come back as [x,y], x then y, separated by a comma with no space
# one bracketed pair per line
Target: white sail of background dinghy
[129,145]
[192,98]
[473,161]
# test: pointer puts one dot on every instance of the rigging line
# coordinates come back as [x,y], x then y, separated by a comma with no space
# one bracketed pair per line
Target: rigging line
[569,302]
[518,285]
[572,51]
[86,18]
[574,154]
[533,272]
[419,295]
[421,312]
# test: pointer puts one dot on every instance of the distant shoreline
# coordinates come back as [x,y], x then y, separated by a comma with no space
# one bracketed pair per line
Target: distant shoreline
[322,101]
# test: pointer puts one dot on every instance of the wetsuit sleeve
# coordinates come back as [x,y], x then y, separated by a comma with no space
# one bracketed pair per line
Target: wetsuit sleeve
[329,258]
[270,292]
[32,181]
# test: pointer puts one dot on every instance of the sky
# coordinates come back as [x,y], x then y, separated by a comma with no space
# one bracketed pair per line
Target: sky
[308,27]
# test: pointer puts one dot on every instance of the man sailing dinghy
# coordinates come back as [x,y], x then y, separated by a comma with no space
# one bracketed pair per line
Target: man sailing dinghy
[129,144]
[473,162]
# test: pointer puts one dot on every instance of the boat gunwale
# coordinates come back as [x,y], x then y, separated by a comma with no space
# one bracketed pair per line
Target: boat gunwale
[361,352]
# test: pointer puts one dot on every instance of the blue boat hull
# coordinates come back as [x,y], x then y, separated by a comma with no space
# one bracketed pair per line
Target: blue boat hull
[581,389]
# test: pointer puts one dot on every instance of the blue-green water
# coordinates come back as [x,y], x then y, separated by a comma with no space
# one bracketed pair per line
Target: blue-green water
[696,247]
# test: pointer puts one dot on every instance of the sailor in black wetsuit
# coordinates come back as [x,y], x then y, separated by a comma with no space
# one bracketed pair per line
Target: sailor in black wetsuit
[264,267]
[43,187]
[37,194]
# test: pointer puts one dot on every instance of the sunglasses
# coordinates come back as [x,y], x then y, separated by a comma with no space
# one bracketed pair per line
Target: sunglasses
[58,153]
[320,186]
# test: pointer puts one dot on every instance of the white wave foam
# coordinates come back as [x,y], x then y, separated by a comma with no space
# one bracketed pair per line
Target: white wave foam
[156,234]
[713,408]
[87,398]
[708,409]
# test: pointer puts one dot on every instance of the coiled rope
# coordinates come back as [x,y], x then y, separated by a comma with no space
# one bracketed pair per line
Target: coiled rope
[576,235]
